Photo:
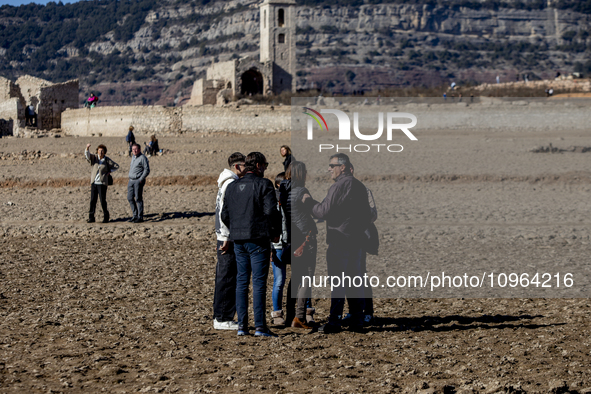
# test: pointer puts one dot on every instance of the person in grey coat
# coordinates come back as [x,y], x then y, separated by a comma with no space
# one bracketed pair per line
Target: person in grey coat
[138,171]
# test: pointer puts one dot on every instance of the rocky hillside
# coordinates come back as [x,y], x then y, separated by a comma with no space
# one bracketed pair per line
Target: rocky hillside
[151,51]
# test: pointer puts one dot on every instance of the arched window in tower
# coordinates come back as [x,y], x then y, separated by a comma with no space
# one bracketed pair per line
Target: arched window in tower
[281,18]
[264,19]
[281,38]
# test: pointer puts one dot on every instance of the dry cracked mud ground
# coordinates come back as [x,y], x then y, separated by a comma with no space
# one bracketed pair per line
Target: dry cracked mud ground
[120,307]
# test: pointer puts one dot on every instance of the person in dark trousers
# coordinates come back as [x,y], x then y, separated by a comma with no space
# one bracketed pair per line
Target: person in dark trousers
[138,171]
[130,139]
[102,166]
[302,238]
[347,214]
[250,212]
[224,297]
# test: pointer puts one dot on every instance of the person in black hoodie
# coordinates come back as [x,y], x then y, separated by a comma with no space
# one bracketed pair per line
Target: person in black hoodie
[250,213]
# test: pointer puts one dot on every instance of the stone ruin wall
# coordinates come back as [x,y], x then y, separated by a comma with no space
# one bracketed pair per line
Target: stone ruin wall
[8,90]
[576,85]
[11,110]
[49,99]
[115,121]
[10,122]
[55,99]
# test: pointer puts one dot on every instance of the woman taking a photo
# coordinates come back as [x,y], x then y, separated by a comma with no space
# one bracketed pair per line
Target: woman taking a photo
[102,167]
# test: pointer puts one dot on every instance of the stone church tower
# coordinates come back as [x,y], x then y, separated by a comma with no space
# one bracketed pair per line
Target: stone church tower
[278,35]
[270,73]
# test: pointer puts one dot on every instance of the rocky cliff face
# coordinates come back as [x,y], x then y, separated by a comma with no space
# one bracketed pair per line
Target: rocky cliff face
[339,49]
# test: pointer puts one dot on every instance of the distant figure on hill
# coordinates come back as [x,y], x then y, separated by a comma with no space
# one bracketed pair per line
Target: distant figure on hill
[92,101]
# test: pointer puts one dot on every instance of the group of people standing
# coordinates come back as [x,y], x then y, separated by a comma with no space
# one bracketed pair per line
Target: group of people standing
[250,218]
[100,179]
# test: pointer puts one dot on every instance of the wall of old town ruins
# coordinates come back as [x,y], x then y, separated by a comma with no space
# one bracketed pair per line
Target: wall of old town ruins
[115,121]
[49,100]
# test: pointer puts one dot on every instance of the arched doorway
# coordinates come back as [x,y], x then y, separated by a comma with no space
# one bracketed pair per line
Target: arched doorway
[252,82]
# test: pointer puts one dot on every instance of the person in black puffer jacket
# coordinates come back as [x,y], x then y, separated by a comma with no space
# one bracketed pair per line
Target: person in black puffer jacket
[301,231]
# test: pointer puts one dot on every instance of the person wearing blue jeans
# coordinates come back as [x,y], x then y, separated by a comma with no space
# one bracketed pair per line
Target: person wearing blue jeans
[252,258]
[278,265]
[250,213]
[279,272]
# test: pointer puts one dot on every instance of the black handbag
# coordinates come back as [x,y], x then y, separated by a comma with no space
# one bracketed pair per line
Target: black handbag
[109,177]
[372,242]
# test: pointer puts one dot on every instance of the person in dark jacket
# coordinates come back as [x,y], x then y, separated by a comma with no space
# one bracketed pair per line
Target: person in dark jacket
[102,166]
[286,153]
[347,214]
[302,231]
[130,139]
[250,213]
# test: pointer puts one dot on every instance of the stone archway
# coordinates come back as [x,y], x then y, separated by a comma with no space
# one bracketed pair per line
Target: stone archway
[252,82]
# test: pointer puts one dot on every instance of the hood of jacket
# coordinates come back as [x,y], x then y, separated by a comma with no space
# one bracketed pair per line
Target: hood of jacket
[225,175]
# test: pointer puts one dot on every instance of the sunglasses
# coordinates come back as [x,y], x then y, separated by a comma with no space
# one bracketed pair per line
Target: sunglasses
[334,165]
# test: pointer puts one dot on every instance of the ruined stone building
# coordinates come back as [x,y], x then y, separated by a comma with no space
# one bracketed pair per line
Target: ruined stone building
[272,73]
[49,101]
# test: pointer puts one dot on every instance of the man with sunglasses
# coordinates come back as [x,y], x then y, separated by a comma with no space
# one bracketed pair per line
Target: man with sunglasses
[250,212]
[347,214]
[224,297]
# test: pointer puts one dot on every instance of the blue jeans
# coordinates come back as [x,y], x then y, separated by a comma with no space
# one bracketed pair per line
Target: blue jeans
[252,257]
[278,280]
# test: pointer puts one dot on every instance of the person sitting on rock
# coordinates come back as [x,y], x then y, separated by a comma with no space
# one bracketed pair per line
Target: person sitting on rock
[92,101]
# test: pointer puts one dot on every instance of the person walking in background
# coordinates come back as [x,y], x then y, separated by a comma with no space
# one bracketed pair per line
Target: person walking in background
[498,80]
[138,171]
[130,139]
[286,153]
[224,297]
[279,266]
[102,167]
[250,212]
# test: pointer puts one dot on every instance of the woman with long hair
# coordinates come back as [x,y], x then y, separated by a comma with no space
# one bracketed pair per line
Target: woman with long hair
[303,244]
[285,152]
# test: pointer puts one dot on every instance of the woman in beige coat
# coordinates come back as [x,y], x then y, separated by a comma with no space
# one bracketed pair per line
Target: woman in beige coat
[102,167]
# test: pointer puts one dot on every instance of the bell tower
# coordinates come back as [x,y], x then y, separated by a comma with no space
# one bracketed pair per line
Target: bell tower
[278,42]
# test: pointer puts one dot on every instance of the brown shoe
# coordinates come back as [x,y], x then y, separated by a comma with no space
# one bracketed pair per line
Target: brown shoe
[278,319]
[297,323]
